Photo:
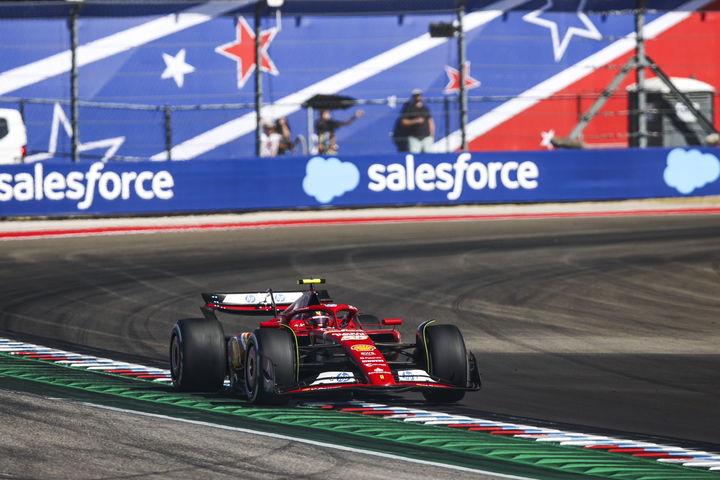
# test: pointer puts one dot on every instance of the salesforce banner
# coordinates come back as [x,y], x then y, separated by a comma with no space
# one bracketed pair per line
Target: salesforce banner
[50,188]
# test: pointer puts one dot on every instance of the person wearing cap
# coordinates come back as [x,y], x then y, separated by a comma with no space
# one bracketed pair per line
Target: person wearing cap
[273,136]
[418,124]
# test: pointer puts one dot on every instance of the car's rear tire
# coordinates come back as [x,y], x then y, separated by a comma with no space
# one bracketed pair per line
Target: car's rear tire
[197,355]
[270,363]
[443,354]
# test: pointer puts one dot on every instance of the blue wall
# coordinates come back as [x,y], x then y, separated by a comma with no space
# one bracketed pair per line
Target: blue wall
[58,188]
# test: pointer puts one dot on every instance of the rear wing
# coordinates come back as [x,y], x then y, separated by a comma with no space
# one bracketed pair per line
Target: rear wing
[251,303]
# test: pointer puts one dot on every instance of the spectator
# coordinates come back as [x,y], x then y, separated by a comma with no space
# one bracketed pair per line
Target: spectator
[325,128]
[418,123]
[274,138]
[286,142]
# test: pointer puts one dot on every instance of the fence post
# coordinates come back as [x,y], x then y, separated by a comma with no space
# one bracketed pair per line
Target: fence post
[446,110]
[310,131]
[74,113]
[168,131]
[640,75]
[462,97]
[258,78]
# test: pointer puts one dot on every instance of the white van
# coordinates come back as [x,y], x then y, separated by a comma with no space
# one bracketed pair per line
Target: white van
[13,136]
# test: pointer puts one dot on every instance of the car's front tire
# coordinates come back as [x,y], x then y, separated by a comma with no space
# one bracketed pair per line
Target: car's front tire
[270,363]
[197,355]
[442,352]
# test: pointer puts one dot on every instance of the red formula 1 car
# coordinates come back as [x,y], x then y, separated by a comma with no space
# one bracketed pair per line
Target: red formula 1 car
[314,345]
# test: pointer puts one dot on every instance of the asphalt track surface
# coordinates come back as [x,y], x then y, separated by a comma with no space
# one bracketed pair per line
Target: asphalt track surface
[608,323]
[50,438]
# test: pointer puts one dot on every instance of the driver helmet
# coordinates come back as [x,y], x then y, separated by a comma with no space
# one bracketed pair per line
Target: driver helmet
[320,319]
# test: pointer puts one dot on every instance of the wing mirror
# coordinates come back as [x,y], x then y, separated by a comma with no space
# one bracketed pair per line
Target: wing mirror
[392,321]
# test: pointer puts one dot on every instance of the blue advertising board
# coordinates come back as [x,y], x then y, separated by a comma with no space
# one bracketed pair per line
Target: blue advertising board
[50,188]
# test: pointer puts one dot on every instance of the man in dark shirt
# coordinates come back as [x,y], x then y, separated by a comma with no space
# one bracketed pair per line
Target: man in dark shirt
[325,128]
[418,123]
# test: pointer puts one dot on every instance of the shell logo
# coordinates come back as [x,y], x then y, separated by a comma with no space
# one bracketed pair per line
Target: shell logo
[363,348]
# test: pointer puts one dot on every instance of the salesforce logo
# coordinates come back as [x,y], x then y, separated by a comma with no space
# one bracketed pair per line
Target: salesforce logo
[328,178]
[688,170]
[452,177]
[84,186]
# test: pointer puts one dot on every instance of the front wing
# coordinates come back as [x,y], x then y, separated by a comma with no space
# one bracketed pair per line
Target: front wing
[404,381]
[369,388]
[337,373]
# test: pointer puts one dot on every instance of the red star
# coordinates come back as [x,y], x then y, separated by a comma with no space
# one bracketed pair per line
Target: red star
[242,50]
[453,74]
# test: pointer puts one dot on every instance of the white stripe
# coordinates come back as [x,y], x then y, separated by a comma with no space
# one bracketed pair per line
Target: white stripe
[74,363]
[119,42]
[310,442]
[561,438]
[582,443]
[245,124]
[701,463]
[552,85]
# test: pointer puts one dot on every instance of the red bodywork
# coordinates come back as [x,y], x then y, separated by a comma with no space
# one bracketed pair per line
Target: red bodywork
[372,355]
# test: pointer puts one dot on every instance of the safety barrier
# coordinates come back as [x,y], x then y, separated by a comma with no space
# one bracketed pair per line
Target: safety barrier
[58,188]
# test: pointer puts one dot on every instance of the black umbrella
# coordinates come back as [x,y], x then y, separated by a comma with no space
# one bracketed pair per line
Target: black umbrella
[331,102]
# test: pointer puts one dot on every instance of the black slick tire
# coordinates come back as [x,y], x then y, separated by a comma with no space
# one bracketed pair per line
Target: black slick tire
[270,364]
[443,350]
[197,355]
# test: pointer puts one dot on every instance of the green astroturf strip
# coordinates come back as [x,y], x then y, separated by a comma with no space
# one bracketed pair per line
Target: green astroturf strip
[502,454]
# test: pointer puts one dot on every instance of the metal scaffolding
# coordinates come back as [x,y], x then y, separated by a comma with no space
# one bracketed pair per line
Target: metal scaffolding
[639,62]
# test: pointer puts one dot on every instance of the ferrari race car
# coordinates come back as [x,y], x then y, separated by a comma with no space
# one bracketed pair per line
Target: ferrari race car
[313,345]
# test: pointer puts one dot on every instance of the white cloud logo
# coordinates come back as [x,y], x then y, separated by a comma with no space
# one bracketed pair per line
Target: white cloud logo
[326,179]
[688,170]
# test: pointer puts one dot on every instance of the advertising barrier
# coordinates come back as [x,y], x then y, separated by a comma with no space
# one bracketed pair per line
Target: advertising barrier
[54,188]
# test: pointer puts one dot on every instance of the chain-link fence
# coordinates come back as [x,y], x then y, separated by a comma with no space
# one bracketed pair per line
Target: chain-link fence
[151,130]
